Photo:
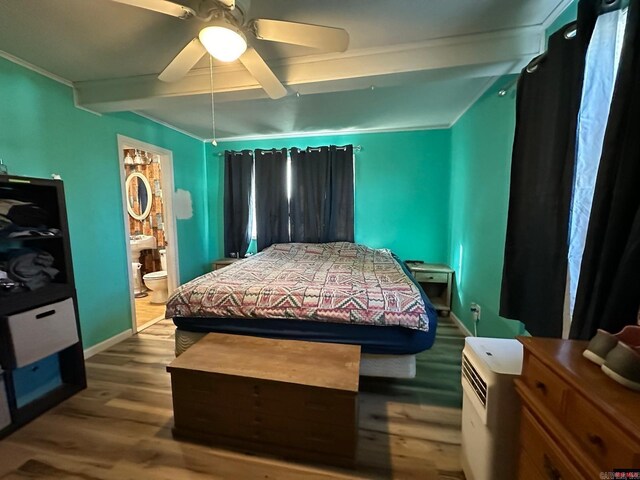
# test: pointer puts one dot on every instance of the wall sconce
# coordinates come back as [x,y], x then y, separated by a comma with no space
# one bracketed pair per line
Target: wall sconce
[128,160]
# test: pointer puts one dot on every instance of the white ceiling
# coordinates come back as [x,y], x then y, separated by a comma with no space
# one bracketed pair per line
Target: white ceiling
[427,59]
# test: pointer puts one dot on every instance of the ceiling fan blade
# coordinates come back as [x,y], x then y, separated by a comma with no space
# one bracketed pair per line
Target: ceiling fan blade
[162,6]
[183,62]
[230,4]
[328,39]
[262,73]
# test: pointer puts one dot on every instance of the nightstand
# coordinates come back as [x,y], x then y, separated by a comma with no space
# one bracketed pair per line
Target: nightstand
[435,279]
[223,262]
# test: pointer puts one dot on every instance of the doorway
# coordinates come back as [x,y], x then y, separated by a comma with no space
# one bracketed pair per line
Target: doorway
[146,173]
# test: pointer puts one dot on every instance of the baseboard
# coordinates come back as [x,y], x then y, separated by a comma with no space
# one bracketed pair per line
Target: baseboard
[463,328]
[109,342]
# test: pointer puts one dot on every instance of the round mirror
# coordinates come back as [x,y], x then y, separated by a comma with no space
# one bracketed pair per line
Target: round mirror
[138,196]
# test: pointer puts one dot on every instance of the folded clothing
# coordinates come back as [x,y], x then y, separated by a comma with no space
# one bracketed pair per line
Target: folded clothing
[11,230]
[33,269]
[24,214]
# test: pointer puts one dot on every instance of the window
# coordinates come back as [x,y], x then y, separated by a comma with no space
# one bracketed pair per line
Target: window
[254,224]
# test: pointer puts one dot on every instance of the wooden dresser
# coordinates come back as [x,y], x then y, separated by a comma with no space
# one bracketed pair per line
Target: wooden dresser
[290,398]
[576,422]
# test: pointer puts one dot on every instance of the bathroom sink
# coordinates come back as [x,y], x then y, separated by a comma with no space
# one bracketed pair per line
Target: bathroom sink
[141,242]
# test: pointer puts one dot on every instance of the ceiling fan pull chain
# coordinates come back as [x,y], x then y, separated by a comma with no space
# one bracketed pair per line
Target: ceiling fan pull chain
[213,111]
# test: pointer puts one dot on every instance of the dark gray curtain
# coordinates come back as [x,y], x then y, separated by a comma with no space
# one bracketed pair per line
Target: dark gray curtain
[535,260]
[608,293]
[238,170]
[272,205]
[321,204]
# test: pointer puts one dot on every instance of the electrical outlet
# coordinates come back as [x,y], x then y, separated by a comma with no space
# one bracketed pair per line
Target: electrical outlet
[476,311]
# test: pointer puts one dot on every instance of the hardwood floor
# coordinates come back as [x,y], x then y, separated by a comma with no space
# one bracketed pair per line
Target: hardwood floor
[120,427]
[147,311]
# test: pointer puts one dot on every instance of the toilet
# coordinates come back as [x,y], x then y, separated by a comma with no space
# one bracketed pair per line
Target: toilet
[157,281]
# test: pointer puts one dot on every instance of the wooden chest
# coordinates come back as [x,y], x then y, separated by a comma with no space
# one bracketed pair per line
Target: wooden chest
[576,422]
[289,398]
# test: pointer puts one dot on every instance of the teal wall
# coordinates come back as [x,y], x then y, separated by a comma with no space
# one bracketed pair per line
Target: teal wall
[481,157]
[438,195]
[480,161]
[402,189]
[569,15]
[41,132]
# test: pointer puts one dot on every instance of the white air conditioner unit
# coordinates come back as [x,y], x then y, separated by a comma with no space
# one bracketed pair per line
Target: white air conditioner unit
[490,408]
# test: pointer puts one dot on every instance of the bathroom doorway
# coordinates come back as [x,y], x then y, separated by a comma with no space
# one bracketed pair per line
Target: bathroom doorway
[150,228]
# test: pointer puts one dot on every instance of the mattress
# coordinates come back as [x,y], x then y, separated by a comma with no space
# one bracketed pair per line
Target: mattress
[378,340]
[394,318]
[337,282]
[391,366]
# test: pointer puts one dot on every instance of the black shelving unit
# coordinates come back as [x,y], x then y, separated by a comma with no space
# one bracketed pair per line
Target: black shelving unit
[46,308]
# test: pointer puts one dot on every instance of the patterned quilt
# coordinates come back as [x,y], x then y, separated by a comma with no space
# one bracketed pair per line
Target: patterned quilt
[331,282]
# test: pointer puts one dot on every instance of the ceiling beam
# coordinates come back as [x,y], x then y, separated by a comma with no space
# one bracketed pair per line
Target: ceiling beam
[486,54]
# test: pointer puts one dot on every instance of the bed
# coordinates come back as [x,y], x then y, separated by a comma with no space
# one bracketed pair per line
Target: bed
[333,292]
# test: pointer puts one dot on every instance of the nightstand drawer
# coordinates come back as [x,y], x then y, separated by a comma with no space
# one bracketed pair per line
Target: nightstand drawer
[435,277]
[223,262]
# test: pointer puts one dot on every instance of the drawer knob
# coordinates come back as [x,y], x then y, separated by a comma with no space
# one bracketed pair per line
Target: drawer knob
[596,440]
[541,386]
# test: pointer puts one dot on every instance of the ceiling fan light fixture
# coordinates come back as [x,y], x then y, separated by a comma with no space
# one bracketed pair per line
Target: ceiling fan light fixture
[223,42]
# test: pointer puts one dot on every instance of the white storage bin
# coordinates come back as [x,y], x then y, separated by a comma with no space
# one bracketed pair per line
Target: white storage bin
[5,416]
[43,331]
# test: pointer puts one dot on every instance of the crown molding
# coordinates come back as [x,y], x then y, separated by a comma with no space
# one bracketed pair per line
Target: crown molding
[555,13]
[168,125]
[35,68]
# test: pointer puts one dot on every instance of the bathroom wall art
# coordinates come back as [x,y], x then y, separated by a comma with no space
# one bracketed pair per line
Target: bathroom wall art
[148,165]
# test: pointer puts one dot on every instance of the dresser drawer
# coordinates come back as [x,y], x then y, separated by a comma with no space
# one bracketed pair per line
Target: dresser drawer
[263,426]
[43,331]
[337,441]
[541,452]
[293,401]
[605,444]
[545,385]
[527,469]
[435,277]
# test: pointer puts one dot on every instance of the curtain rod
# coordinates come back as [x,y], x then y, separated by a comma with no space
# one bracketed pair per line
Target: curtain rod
[356,148]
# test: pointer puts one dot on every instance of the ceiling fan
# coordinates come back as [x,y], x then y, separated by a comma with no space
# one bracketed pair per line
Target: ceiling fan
[224,36]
